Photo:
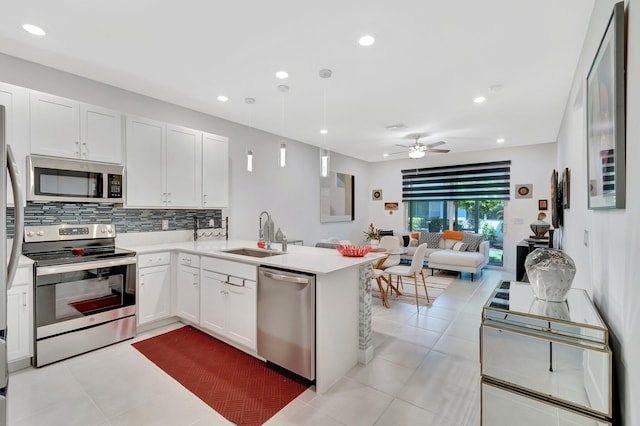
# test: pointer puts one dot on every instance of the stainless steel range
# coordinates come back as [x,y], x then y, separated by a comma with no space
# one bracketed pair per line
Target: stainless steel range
[84,289]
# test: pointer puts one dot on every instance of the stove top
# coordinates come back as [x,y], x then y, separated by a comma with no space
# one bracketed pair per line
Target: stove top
[63,244]
[77,254]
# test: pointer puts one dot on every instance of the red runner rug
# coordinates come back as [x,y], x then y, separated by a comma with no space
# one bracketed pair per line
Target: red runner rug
[238,386]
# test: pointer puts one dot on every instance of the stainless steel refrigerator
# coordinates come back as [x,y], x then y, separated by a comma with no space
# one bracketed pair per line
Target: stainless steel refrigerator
[8,162]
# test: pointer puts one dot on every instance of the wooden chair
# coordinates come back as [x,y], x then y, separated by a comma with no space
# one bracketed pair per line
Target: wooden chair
[411,271]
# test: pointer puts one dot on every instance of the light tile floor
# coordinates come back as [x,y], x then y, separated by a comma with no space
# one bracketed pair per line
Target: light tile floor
[425,371]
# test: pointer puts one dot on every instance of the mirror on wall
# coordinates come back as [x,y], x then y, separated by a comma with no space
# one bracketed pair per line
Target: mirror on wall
[337,197]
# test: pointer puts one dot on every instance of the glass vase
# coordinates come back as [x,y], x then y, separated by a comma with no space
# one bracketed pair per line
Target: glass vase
[550,272]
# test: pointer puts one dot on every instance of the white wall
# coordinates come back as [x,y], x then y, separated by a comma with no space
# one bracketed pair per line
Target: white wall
[291,194]
[529,164]
[609,266]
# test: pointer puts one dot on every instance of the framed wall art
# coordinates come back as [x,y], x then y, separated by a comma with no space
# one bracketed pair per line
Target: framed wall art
[566,188]
[391,206]
[337,197]
[524,190]
[606,118]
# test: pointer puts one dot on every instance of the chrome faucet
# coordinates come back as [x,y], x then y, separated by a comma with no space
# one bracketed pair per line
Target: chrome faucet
[267,238]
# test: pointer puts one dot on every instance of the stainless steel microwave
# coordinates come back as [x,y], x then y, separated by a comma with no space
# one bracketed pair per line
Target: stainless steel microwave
[58,179]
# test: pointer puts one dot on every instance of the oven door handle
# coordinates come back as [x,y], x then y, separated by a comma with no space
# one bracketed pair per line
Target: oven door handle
[83,266]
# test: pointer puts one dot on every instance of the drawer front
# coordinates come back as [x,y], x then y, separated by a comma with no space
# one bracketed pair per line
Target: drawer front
[500,406]
[154,259]
[566,371]
[236,269]
[188,259]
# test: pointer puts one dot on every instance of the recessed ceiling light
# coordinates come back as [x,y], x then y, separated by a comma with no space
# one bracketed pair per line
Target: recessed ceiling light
[33,29]
[501,140]
[324,131]
[250,101]
[385,155]
[366,40]
[479,99]
[223,98]
[282,75]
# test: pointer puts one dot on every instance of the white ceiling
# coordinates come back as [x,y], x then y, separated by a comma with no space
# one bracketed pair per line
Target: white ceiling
[431,58]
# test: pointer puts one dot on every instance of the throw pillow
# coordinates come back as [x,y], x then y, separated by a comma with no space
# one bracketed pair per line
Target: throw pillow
[415,235]
[432,239]
[422,237]
[448,244]
[473,240]
[460,246]
[453,235]
[413,243]
[405,240]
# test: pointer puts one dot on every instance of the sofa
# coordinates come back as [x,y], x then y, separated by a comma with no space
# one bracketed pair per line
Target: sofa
[451,250]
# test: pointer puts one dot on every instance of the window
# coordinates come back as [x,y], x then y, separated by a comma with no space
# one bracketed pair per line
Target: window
[465,198]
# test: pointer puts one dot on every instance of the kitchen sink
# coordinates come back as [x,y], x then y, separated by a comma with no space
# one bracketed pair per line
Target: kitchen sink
[253,252]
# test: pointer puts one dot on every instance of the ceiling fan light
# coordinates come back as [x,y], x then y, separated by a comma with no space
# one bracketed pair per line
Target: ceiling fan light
[416,154]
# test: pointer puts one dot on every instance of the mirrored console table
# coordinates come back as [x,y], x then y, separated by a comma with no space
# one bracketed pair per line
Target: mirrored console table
[543,363]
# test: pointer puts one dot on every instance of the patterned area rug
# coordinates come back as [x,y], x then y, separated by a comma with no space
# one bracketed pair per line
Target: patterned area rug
[238,386]
[436,284]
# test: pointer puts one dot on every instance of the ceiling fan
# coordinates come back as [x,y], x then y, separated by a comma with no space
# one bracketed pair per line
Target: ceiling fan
[418,150]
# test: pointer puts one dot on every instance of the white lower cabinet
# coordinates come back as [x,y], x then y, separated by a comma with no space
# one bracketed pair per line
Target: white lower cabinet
[20,315]
[188,287]
[154,287]
[228,300]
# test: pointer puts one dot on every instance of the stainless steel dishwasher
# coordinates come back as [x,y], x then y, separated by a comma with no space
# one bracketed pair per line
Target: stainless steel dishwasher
[287,319]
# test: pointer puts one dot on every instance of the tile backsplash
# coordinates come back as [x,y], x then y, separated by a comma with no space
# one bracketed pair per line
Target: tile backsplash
[126,220]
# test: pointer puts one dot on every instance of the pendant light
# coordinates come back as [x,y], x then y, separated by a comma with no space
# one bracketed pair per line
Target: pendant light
[324,152]
[282,160]
[324,162]
[249,160]
[249,101]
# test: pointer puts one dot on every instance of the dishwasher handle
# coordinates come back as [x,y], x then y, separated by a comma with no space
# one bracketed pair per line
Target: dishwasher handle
[287,278]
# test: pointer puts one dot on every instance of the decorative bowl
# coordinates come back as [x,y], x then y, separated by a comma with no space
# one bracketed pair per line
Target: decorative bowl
[353,251]
[540,228]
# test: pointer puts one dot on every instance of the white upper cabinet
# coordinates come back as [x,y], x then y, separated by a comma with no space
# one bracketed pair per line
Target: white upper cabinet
[163,165]
[65,128]
[100,134]
[16,103]
[183,167]
[145,162]
[215,171]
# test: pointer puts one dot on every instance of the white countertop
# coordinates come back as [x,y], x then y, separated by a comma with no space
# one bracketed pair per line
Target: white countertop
[299,258]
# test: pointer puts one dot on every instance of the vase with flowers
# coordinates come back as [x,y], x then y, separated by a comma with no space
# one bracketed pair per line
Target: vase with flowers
[372,235]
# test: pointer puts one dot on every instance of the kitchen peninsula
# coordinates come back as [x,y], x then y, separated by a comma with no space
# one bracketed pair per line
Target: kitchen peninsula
[342,296]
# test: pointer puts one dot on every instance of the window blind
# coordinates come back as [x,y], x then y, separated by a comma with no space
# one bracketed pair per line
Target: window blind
[481,181]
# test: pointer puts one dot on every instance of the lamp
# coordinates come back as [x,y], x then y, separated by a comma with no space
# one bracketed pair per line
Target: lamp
[249,160]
